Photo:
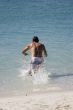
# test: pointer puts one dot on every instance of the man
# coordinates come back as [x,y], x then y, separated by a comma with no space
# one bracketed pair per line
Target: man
[38,51]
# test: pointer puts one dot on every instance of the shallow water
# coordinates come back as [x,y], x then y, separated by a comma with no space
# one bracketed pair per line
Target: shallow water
[52,22]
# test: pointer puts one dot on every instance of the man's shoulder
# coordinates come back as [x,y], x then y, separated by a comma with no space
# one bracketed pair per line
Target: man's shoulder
[41,44]
[30,45]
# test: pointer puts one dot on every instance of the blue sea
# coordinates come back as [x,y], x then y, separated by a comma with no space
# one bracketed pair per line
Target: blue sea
[52,22]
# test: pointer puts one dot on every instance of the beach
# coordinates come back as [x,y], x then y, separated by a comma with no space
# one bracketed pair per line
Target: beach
[44,101]
[52,22]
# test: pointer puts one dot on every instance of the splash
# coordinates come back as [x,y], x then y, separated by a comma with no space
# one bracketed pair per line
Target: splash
[40,77]
[23,73]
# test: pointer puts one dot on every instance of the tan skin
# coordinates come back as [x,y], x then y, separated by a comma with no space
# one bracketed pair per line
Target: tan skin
[37,49]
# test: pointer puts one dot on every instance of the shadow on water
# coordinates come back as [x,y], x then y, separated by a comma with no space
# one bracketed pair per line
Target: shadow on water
[55,75]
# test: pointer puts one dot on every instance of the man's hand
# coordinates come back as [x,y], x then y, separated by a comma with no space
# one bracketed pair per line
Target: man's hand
[25,54]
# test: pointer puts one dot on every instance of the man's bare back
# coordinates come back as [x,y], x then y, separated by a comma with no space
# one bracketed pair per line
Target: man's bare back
[37,49]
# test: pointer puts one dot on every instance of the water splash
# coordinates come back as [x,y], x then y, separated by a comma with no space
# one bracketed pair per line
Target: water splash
[40,77]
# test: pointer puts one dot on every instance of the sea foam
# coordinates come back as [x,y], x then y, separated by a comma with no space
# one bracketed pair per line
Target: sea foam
[40,77]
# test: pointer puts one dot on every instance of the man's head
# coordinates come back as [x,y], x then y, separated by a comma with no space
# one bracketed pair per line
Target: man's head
[35,39]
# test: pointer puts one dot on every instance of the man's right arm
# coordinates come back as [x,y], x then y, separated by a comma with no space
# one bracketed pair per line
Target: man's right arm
[25,50]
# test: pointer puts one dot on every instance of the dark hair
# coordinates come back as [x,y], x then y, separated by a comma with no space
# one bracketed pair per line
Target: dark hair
[35,39]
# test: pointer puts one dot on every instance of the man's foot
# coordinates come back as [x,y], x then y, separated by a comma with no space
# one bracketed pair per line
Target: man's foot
[30,73]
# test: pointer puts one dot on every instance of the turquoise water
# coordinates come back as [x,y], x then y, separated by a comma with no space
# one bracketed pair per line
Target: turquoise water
[51,21]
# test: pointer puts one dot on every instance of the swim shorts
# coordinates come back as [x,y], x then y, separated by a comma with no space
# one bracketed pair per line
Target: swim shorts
[36,61]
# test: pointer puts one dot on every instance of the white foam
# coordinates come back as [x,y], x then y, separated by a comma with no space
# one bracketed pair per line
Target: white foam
[23,73]
[40,77]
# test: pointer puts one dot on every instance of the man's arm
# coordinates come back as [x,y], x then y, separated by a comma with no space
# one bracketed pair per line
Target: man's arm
[25,50]
[45,52]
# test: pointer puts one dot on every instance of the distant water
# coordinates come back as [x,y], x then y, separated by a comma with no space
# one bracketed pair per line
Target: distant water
[52,22]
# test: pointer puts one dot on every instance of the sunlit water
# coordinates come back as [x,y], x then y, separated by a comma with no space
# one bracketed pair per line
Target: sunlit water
[52,22]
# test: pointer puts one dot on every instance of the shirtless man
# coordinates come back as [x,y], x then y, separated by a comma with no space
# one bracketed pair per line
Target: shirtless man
[38,51]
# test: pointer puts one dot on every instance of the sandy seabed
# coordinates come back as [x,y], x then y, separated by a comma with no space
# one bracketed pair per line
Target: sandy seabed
[39,101]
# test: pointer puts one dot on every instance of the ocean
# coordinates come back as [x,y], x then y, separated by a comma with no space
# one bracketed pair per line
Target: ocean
[52,22]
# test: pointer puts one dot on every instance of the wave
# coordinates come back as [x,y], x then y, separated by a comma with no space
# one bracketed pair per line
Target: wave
[40,77]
